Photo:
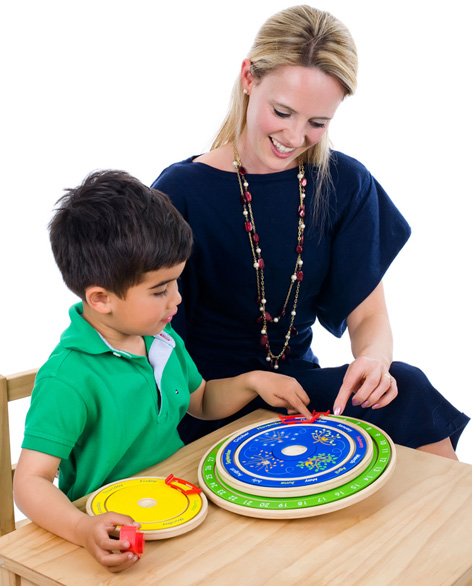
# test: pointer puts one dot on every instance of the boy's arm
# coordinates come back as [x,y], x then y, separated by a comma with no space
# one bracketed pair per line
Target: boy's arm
[42,502]
[221,398]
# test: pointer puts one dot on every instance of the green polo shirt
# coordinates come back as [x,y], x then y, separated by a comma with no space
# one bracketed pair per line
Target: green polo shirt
[106,413]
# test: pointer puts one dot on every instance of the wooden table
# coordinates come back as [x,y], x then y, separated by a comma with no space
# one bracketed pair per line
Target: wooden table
[417,529]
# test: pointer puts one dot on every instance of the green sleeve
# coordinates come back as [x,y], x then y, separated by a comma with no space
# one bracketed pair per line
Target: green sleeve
[56,418]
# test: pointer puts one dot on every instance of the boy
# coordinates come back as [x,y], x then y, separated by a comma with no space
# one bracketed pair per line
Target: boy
[108,401]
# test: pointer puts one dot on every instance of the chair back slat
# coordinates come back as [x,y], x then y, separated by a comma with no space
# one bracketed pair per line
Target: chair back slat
[12,387]
[21,384]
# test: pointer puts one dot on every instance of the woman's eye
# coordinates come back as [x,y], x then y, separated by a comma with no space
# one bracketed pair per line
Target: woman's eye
[318,124]
[281,114]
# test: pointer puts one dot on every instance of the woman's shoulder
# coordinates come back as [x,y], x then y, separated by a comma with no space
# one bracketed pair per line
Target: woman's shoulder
[349,179]
[345,167]
[194,170]
[220,158]
[175,170]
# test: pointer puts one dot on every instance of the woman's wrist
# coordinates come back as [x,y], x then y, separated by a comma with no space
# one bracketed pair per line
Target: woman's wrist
[384,361]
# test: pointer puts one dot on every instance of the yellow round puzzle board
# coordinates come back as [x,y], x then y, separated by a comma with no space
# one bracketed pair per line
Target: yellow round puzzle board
[162,509]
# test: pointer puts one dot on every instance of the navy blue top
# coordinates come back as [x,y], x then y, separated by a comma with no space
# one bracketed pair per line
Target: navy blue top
[342,263]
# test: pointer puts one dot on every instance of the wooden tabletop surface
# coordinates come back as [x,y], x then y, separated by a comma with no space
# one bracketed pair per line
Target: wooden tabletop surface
[417,529]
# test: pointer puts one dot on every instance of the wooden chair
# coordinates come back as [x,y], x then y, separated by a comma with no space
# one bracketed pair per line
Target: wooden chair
[12,387]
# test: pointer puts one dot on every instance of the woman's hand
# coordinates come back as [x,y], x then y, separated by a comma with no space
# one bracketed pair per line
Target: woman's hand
[368,378]
[370,383]
[94,534]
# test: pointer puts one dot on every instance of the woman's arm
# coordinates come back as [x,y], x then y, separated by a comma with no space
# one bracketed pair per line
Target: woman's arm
[367,378]
[42,502]
[221,398]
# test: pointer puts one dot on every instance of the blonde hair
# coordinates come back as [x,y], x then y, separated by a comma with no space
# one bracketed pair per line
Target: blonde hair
[300,35]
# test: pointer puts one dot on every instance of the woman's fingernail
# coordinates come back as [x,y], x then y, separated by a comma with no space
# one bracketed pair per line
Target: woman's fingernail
[337,410]
[365,404]
[355,402]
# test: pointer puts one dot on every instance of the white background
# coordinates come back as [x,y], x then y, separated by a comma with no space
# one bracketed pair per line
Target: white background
[138,85]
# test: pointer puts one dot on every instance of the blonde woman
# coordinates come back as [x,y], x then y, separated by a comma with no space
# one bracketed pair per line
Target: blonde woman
[288,231]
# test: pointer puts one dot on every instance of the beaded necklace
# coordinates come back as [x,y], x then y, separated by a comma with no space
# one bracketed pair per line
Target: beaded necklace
[295,278]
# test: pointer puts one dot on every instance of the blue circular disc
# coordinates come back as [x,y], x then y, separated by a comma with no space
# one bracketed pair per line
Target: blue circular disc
[278,455]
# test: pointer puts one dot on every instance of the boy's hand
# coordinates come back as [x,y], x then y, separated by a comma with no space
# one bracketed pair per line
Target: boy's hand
[279,390]
[94,535]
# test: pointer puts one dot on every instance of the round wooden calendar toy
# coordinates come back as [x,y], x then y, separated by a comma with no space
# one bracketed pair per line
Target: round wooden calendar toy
[165,507]
[379,468]
[294,460]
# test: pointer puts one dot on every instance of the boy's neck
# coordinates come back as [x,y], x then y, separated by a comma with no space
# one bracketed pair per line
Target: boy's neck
[132,344]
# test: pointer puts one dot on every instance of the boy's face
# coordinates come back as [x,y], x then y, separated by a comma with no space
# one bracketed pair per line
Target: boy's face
[148,306]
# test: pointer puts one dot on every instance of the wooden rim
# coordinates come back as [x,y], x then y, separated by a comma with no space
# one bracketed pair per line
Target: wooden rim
[372,479]
[162,511]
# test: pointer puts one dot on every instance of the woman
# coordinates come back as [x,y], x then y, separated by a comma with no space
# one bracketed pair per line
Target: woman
[288,231]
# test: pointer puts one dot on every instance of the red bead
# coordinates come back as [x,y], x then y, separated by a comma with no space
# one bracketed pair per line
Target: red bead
[264,340]
[300,276]
[247,226]
[245,197]
[261,264]
[242,170]
[299,249]
[304,182]
[259,299]
[287,351]
[301,211]
[293,331]
[255,237]
[268,316]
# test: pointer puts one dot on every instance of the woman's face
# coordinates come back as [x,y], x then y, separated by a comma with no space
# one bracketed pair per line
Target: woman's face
[288,112]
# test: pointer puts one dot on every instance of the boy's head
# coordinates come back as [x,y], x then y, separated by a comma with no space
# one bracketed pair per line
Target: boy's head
[111,230]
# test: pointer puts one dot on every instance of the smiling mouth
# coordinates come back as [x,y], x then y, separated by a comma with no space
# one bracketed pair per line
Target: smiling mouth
[280,147]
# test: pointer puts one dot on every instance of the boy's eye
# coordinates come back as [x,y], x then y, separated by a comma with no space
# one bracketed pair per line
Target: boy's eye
[159,293]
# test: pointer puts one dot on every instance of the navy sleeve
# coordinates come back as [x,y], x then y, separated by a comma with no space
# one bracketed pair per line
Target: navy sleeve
[368,237]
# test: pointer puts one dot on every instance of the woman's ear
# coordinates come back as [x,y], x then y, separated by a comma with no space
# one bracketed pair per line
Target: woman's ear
[247,79]
[99,299]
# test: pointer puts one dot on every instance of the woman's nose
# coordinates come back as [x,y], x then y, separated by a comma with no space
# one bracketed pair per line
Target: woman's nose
[295,134]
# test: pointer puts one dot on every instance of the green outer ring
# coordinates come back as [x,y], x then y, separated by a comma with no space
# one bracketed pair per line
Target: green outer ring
[380,460]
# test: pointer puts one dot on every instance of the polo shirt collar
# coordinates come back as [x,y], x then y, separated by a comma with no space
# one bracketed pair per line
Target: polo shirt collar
[80,335]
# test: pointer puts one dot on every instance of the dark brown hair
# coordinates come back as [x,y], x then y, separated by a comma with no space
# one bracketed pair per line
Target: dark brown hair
[112,229]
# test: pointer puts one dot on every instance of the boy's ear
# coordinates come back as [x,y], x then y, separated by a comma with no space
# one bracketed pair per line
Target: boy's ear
[99,299]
